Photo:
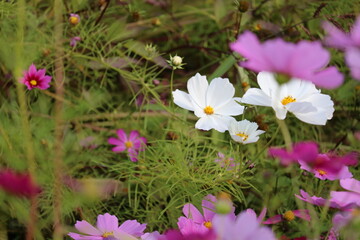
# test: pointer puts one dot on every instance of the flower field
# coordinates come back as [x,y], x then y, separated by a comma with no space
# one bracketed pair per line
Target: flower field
[179,120]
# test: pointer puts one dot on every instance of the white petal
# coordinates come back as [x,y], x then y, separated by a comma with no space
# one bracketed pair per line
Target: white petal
[232,108]
[182,99]
[256,96]
[251,139]
[322,102]
[217,122]
[197,87]
[219,93]
[300,107]
[316,118]
[280,112]
[267,83]
[301,89]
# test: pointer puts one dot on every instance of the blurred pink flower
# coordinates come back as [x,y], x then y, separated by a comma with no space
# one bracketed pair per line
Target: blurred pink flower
[324,166]
[74,18]
[18,184]
[348,198]
[225,162]
[132,144]
[107,227]
[74,40]
[304,60]
[194,221]
[88,142]
[348,42]
[289,216]
[34,78]
[319,201]
[177,235]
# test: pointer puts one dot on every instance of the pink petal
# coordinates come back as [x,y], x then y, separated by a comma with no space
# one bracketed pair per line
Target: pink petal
[329,78]
[190,211]
[133,228]
[122,135]
[107,223]
[351,185]
[133,135]
[77,236]
[355,32]
[273,220]
[209,207]
[336,38]
[115,141]
[87,228]
[279,61]
[303,214]
[345,198]
[352,57]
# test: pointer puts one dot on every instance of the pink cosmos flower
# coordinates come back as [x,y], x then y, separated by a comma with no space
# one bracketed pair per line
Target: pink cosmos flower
[177,235]
[18,184]
[304,60]
[34,78]
[225,162]
[348,198]
[245,227]
[74,40]
[194,221]
[319,201]
[324,166]
[107,227]
[74,18]
[289,216]
[151,236]
[348,42]
[132,144]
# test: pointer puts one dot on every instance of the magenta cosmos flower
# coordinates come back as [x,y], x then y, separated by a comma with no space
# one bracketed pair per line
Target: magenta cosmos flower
[348,42]
[107,227]
[304,60]
[34,78]
[289,216]
[194,221]
[18,184]
[132,144]
[323,166]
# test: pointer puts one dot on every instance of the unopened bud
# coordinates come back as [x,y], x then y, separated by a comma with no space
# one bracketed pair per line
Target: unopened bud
[243,6]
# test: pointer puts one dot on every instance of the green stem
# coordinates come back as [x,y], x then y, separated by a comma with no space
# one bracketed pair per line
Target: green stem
[286,134]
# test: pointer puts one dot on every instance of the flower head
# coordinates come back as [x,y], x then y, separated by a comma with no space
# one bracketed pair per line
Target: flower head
[244,131]
[132,144]
[304,60]
[349,42]
[74,19]
[296,96]
[225,162]
[212,106]
[107,227]
[34,78]
[74,41]
[19,184]
[194,221]
[289,216]
[176,62]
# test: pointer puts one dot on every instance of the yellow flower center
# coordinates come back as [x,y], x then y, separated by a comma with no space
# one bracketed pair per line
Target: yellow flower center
[243,135]
[289,216]
[74,20]
[128,144]
[287,100]
[208,110]
[108,234]
[321,172]
[33,82]
[208,224]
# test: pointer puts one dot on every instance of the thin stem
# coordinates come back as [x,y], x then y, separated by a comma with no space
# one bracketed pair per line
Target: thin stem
[59,125]
[286,134]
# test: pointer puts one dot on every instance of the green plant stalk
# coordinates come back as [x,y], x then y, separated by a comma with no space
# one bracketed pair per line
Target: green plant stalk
[286,134]
[24,115]
[59,124]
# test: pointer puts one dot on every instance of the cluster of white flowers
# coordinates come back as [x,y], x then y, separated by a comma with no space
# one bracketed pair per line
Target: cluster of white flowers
[215,105]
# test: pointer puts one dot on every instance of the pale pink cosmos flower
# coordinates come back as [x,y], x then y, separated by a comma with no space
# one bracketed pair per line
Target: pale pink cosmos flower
[74,40]
[194,221]
[347,198]
[225,162]
[34,78]
[132,144]
[289,216]
[323,166]
[107,227]
[304,60]
[348,42]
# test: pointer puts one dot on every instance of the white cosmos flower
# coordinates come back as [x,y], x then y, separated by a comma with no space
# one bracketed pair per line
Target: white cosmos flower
[296,96]
[244,131]
[213,103]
